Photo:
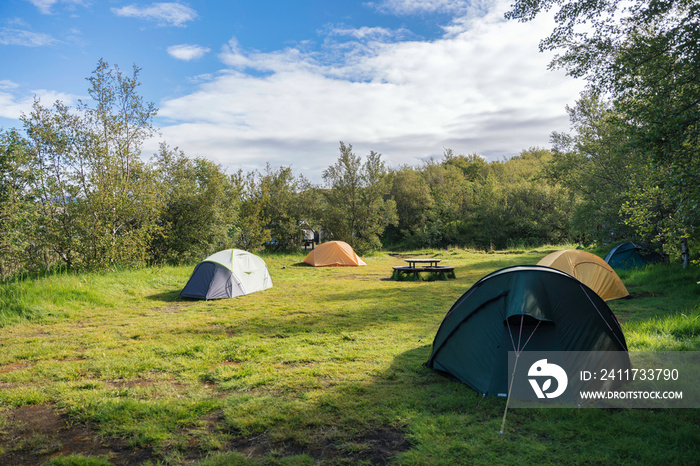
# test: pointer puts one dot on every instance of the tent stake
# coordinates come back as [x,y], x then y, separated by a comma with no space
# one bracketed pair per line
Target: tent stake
[482,399]
[510,387]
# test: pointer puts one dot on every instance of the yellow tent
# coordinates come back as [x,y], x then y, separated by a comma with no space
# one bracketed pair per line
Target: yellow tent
[333,253]
[588,269]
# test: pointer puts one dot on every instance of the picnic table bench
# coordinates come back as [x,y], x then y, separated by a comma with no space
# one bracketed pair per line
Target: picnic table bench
[432,265]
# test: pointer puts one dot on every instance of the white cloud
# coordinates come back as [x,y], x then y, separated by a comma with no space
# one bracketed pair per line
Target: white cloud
[481,88]
[166,14]
[412,7]
[367,33]
[9,108]
[232,54]
[44,6]
[187,52]
[7,84]
[12,105]
[24,38]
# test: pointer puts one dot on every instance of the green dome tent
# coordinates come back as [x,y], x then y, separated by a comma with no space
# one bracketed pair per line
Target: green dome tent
[522,308]
[631,256]
[227,274]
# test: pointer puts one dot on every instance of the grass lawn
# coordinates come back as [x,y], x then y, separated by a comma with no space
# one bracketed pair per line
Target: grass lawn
[325,367]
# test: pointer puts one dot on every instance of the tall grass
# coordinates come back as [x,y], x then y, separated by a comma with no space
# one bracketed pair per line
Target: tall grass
[60,294]
[14,304]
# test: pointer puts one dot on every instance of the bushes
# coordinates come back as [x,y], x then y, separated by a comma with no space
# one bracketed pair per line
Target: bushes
[469,202]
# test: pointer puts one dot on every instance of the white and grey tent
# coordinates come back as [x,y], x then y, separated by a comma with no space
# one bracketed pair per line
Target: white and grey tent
[227,274]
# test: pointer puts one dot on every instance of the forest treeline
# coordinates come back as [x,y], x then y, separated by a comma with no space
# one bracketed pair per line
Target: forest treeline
[76,192]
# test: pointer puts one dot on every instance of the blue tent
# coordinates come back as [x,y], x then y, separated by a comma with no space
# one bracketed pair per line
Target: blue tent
[227,274]
[631,256]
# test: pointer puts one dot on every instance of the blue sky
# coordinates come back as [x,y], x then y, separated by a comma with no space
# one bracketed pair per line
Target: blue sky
[249,82]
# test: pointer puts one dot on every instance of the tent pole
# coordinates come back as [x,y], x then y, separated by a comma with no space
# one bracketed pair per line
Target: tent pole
[510,387]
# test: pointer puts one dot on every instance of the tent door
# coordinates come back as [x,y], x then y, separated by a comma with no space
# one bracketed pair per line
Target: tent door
[528,334]
[220,284]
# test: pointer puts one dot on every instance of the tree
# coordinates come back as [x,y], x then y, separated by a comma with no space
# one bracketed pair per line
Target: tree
[119,198]
[16,213]
[201,208]
[473,166]
[661,102]
[516,206]
[377,208]
[357,208]
[619,38]
[99,200]
[252,228]
[452,197]
[284,209]
[414,202]
[645,54]
[596,165]
[274,207]
[51,141]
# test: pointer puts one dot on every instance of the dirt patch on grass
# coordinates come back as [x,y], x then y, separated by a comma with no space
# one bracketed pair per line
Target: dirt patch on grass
[134,383]
[378,448]
[36,433]
[174,306]
[33,434]
[645,295]
[13,366]
[381,446]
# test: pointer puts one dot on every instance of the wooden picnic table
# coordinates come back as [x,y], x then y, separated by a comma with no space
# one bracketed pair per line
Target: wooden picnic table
[431,262]
[428,265]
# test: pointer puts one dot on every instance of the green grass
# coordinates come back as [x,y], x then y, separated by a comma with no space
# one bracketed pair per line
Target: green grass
[665,313]
[325,367]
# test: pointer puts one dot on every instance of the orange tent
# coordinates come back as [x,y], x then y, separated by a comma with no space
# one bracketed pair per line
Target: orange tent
[333,253]
[588,269]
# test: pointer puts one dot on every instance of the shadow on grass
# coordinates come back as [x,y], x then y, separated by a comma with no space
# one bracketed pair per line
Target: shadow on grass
[354,422]
[452,424]
[166,297]
[432,391]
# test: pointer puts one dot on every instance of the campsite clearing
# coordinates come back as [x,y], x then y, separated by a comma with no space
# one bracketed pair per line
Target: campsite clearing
[325,367]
